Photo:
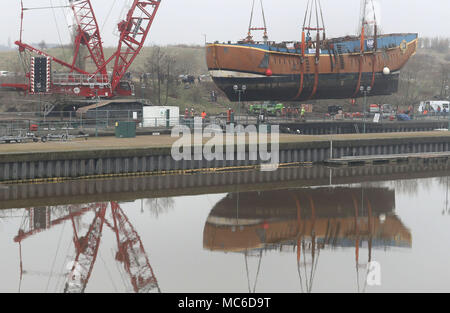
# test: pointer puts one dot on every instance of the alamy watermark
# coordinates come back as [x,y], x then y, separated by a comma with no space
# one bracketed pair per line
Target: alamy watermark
[237,143]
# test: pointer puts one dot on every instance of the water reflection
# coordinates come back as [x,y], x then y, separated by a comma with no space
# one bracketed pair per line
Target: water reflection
[306,221]
[293,239]
[88,223]
[446,208]
[158,206]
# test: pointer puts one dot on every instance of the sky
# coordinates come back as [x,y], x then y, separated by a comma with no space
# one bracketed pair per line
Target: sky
[191,21]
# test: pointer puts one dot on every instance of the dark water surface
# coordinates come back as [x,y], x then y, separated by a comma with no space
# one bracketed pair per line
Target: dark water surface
[317,239]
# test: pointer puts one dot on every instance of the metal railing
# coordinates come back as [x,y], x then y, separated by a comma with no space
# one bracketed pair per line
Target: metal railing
[12,123]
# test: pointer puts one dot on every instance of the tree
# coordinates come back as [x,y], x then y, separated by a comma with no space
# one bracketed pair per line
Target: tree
[161,66]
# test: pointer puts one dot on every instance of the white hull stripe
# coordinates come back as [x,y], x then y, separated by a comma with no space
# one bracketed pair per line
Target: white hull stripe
[234,74]
[224,221]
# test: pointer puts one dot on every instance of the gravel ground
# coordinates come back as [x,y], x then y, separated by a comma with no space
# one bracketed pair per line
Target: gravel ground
[94,143]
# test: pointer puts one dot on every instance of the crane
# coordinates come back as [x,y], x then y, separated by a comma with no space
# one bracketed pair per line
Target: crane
[86,253]
[133,30]
[131,253]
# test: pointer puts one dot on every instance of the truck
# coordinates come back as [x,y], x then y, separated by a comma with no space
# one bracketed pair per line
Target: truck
[434,106]
[272,108]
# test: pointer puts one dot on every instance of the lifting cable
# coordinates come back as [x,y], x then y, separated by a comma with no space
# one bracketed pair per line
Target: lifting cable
[313,5]
[108,15]
[54,259]
[361,56]
[302,57]
[57,27]
[66,14]
[317,58]
[323,21]
[250,28]
[46,8]
[264,21]
[52,7]
[251,17]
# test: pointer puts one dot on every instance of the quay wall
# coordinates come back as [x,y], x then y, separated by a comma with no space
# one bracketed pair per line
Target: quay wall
[91,163]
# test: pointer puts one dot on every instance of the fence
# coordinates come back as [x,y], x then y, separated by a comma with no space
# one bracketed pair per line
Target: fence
[13,123]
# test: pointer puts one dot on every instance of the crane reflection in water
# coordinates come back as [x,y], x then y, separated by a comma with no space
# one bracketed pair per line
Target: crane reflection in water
[306,221]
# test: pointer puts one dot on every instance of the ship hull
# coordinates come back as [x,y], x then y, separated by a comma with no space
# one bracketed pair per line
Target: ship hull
[285,75]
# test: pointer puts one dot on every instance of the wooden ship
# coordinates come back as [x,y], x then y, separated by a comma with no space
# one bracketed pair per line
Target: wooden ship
[316,67]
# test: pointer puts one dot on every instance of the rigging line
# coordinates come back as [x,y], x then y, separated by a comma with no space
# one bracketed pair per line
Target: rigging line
[364,12]
[251,15]
[21,266]
[315,268]
[313,258]
[305,265]
[56,254]
[120,271]
[263,15]
[21,20]
[321,15]
[107,271]
[357,277]
[59,281]
[46,8]
[299,270]
[306,14]
[374,13]
[66,13]
[108,15]
[248,277]
[257,272]
[317,17]
[310,14]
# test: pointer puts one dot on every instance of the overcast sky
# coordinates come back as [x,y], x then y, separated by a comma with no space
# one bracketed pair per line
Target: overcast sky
[188,21]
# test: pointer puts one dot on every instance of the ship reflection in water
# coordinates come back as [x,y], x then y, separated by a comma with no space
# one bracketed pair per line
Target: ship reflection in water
[306,221]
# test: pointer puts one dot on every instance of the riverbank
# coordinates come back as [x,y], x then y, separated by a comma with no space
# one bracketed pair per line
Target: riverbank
[109,156]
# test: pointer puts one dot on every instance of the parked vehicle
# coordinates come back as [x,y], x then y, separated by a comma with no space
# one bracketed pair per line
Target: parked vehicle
[434,106]
[374,108]
[385,109]
[335,109]
[403,117]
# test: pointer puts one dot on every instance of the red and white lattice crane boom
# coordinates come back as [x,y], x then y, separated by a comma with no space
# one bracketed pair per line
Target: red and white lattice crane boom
[133,31]
[131,253]
[86,248]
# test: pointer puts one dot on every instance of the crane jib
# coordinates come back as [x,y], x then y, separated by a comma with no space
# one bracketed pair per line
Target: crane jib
[138,21]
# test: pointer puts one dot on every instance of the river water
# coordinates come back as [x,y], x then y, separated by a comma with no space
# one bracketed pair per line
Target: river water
[384,236]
